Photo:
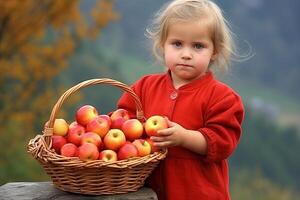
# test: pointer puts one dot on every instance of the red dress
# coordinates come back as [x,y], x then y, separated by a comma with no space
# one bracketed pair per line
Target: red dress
[206,105]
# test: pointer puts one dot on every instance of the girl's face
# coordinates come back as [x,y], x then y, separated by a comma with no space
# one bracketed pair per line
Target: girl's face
[188,50]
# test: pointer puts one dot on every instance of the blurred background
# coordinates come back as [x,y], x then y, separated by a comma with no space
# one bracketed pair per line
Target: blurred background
[47,47]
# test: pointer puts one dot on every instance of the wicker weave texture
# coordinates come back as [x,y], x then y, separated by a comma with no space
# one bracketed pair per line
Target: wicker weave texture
[92,177]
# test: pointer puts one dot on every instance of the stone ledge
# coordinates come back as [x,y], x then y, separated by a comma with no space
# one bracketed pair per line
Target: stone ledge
[46,190]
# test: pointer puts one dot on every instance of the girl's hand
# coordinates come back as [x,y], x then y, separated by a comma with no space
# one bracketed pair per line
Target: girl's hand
[169,137]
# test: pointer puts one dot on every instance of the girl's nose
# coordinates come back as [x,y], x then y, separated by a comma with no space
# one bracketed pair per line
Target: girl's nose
[186,54]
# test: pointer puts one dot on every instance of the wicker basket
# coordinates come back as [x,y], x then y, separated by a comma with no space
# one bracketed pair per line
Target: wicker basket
[92,177]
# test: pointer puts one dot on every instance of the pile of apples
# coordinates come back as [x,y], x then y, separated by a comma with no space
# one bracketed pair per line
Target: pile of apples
[105,137]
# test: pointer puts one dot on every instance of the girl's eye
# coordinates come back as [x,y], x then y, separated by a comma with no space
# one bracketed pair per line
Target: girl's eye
[177,44]
[198,46]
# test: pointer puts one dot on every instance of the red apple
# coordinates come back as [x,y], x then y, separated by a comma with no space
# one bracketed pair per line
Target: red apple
[133,129]
[75,133]
[127,150]
[143,147]
[117,123]
[60,127]
[57,142]
[153,148]
[118,117]
[69,150]
[99,125]
[91,137]
[85,114]
[73,124]
[114,139]
[155,123]
[88,151]
[108,155]
[107,117]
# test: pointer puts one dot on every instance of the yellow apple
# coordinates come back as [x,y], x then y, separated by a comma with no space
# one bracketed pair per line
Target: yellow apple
[60,127]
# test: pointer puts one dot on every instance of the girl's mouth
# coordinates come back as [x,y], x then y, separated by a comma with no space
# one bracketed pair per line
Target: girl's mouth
[184,65]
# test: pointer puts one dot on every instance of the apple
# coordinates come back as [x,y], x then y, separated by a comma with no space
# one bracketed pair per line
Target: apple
[153,148]
[75,133]
[118,117]
[73,124]
[88,151]
[108,155]
[133,129]
[117,123]
[85,114]
[69,150]
[60,127]
[143,147]
[99,125]
[114,139]
[57,142]
[155,123]
[107,117]
[91,137]
[127,150]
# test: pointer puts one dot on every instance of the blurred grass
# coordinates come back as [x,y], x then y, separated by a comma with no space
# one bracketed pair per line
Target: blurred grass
[289,108]
[15,160]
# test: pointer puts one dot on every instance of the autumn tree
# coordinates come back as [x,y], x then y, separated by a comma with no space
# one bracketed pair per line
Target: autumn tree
[36,40]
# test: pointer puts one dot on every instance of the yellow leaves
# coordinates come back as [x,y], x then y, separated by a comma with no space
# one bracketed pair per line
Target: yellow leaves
[36,40]
[102,13]
[63,11]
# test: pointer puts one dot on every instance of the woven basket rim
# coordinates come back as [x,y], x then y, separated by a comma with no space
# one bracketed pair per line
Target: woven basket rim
[40,146]
[39,149]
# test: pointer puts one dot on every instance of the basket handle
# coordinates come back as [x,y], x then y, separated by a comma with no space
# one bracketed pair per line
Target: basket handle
[48,131]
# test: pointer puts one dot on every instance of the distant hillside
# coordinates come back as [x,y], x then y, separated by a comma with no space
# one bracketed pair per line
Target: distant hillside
[271,31]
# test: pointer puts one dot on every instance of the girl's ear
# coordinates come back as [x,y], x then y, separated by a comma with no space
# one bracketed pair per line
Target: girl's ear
[214,55]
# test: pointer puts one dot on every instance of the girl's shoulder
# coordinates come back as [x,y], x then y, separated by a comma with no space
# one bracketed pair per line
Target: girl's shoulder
[221,86]
[151,79]
[221,90]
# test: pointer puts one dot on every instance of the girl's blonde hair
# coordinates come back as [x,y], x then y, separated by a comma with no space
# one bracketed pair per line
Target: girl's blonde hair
[186,10]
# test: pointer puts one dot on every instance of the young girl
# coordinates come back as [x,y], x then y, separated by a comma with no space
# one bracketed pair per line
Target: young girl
[204,115]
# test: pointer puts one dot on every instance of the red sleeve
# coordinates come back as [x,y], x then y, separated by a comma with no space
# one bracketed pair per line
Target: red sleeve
[126,101]
[222,128]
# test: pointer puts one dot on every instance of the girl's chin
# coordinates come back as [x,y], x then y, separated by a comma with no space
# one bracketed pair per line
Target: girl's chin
[189,77]
[186,77]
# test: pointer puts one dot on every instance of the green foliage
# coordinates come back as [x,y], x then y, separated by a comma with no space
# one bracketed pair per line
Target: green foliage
[15,162]
[251,184]
[269,148]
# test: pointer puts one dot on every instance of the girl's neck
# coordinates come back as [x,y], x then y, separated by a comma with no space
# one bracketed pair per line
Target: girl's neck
[177,82]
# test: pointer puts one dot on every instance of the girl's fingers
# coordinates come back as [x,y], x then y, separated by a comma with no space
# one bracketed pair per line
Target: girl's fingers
[162,144]
[164,132]
[157,139]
